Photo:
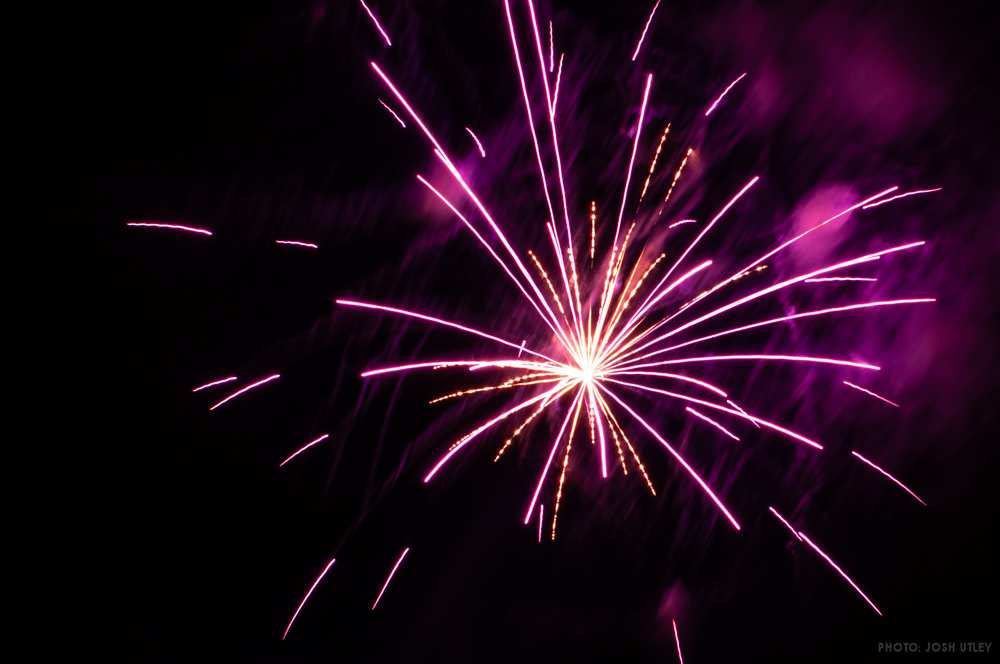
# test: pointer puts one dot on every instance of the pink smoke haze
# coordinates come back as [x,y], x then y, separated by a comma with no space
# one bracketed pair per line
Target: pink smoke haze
[303,449]
[221,381]
[245,389]
[171,227]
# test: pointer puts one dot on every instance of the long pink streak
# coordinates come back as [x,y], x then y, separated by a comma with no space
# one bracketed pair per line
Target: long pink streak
[724,93]
[227,379]
[298,243]
[631,161]
[770,289]
[649,20]
[683,221]
[785,521]
[712,422]
[689,379]
[478,142]
[783,358]
[306,598]
[472,195]
[736,406]
[439,321]
[781,319]
[557,249]
[468,437]
[842,573]
[715,406]
[541,515]
[246,389]
[677,640]
[502,363]
[691,471]
[492,253]
[552,49]
[903,195]
[824,279]
[304,448]
[389,578]
[552,454]
[173,227]
[600,432]
[377,24]
[887,474]
[870,393]
[555,90]
[393,113]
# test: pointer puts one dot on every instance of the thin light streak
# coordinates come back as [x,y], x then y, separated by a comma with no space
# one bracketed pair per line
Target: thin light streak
[552,51]
[870,393]
[712,422]
[541,517]
[724,93]
[631,161]
[677,640]
[891,477]
[649,20]
[302,449]
[903,195]
[825,279]
[227,379]
[172,227]
[306,598]
[784,521]
[389,578]
[393,113]
[734,405]
[683,221]
[378,25]
[840,571]
[247,388]
[479,144]
[298,243]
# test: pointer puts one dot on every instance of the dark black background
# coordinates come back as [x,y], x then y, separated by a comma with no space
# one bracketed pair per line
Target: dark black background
[257,119]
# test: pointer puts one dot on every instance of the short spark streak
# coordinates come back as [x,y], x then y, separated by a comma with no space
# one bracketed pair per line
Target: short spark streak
[870,393]
[819,280]
[306,598]
[247,388]
[907,194]
[677,640]
[479,144]
[393,113]
[724,93]
[302,449]
[840,571]
[221,381]
[890,476]
[172,227]
[298,243]
[683,221]
[784,521]
[378,25]
[649,20]
[389,578]
[712,422]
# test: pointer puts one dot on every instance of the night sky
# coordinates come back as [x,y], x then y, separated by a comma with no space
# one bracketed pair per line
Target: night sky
[260,120]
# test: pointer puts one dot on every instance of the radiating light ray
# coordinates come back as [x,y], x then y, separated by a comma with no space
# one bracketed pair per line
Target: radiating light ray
[689,379]
[302,449]
[652,165]
[172,227]
[517,381]
[649,20]
[760,358]
[898,196]
[221,381]
[555,89]
[677,640]
[600,434]
[393,113]
[736,406]
[631,161]
[246,388]
[378,25]
[890,476]
[392,573]
[784,521]
[712,422]
[565,465]
[306,598]
[870,393]
[298,243]
[479,144]
[635,456]
[840,571]
[499,364]
[825,279]
[680,459]
[520,428]
[548,282]
[552,454]
[724,93]
[683,221]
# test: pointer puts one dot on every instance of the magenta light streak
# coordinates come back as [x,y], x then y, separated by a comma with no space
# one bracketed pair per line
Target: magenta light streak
[712,422]
[541,517]
[600,433]
[377,24]
[306,598]
[734,405]
[439,321]
[552,454]
[724,93]
[389,578]
[887,474]
[683,221]
[870,393]
[677,640]
[473,364]
[785,521]
[842,573]
[903,195]
[825,279]
[249,387]
[303,449]
[649,20]
[393,113]
[552,49]
[227,379]
[479,145]
[555,90]
[781,358]
[654,297]
[689,379]
[691,471]
[631,161]
[298,243]
[173,227]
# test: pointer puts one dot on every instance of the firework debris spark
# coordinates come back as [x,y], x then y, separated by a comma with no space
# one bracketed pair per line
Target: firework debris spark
[393,113]
[392,572]
[820,280]
[247,388]
[677,640]
[302,449]
[888,475]
[682,222]
[479,144]
[724,93]
[306,597]
[649,20]
[220,381]
[712,422]
[870,393]
[903,195]
[839,571]
[378,25]
[298,243]
[172,227]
